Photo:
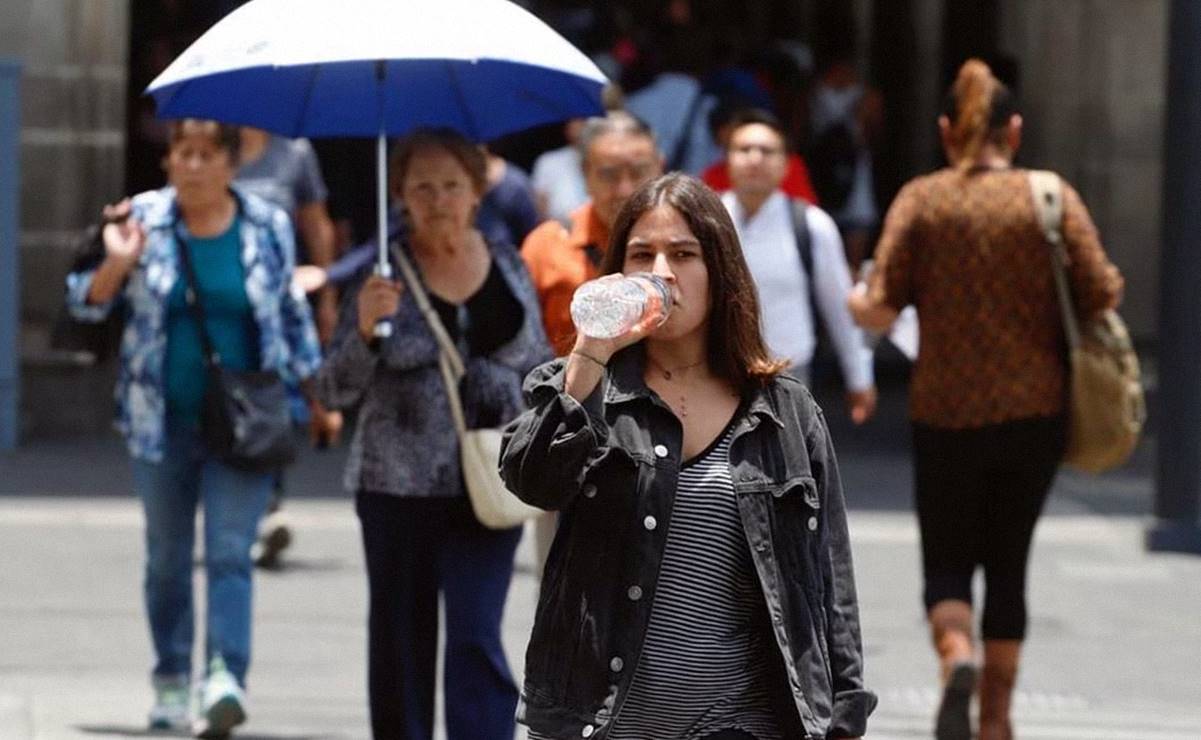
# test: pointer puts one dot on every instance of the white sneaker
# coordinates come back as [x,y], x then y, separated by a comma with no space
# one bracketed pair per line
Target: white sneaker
[172,708]
[222,703]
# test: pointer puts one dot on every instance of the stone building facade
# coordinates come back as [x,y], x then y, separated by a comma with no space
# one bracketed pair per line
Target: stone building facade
[72,148]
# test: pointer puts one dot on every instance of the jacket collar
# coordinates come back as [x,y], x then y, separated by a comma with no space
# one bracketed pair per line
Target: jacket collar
[762,404]
[625,375]
[626,383]
[163,212]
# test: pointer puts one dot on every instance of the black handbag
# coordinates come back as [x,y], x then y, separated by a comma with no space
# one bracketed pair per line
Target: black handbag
[100,340]
[246,419]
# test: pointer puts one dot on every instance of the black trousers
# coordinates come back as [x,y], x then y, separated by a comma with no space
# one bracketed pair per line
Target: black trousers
[418,549]
[979,493]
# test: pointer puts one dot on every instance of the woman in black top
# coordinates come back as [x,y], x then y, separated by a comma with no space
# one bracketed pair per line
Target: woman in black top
[700,584]
[421,539]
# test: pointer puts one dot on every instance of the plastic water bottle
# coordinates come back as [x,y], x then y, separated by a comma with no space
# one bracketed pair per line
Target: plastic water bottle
[610,306]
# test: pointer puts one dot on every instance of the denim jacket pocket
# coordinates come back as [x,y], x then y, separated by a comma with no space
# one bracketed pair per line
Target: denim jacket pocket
[798,519]
[806,488]
[802,485]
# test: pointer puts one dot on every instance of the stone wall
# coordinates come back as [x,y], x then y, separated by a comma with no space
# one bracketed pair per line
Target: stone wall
[73,54]
[1093,77]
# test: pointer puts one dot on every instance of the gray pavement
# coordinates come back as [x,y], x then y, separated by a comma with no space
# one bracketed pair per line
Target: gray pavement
[1113,652]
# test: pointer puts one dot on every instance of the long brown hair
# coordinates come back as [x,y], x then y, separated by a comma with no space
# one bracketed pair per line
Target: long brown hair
[979,107]
[737,351]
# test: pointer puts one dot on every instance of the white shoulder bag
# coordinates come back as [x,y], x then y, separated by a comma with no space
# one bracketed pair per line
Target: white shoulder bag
[479,449]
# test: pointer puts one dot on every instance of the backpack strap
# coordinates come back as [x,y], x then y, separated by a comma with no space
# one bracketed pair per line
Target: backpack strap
[1047,191]
[804,246]
[804,242]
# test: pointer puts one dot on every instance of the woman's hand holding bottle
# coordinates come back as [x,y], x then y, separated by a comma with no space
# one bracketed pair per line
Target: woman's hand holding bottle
[626,309]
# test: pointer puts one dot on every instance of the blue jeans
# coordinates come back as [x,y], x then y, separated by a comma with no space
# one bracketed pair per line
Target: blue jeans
[417,548]
[233,501]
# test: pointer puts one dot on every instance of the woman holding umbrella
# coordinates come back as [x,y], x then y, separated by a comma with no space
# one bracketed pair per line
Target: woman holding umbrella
[419,533]
[240,249]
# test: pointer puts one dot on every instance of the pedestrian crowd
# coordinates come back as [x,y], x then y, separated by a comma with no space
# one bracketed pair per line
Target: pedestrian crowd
[697,576]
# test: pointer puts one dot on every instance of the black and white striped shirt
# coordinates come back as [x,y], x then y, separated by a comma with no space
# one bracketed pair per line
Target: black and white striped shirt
[703,666]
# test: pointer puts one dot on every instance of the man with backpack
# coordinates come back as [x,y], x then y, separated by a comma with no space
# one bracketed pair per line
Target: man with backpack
[796,257]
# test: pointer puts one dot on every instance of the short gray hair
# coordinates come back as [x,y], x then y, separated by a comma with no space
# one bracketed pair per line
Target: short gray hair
[614,122]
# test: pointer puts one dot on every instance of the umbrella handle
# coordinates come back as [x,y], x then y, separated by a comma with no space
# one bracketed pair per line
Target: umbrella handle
[383,328]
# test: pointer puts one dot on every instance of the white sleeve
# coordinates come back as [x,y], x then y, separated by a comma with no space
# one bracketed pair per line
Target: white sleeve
[540,175]
[832,285]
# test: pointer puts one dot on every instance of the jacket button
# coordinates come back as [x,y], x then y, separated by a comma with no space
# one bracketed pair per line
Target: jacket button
[634,593]
[587,731]
[660,451]
[589,490]
[812,524]
[650,523]
[616,665]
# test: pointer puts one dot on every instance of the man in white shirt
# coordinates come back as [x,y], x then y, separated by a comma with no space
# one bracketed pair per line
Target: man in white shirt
[767,225]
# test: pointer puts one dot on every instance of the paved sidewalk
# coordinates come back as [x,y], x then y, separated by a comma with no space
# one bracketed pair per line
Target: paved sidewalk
[1112,653]
[1114,649]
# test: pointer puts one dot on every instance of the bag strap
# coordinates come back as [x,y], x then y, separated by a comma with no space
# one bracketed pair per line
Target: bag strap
[420,295]
[1047,191]
[804,242]
[192,298]
[799,211]
[450,362]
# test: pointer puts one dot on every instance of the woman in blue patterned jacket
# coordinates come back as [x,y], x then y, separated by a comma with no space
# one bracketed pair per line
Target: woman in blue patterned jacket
[419,533]
[241,250]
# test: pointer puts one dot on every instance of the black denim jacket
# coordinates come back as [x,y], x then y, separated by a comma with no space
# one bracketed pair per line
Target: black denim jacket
[609,466]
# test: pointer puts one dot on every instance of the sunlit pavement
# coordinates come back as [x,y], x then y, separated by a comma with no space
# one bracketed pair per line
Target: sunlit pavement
[1114,649]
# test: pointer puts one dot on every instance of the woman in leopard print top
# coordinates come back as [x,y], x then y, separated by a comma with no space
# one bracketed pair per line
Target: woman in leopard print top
[988,391]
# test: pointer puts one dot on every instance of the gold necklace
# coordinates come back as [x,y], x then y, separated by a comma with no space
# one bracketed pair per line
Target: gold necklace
[682,408]
[667,374]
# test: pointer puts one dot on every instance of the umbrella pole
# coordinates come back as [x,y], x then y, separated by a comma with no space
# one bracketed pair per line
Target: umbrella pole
[382,267]
[381,203]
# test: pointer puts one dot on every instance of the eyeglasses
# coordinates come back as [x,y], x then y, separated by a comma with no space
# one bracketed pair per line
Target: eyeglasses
[636,171]
[745,150]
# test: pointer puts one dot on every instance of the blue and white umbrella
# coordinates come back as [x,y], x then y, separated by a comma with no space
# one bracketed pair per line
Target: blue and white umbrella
[379,68]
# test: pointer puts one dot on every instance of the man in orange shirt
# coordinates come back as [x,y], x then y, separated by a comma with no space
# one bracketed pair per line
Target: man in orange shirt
[618,155]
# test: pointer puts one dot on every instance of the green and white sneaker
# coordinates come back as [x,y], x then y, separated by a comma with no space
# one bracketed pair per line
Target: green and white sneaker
[222,703]
[172,708]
